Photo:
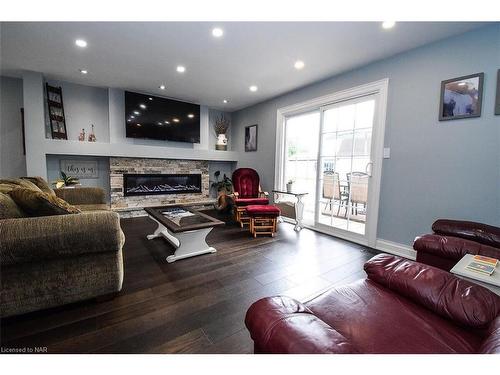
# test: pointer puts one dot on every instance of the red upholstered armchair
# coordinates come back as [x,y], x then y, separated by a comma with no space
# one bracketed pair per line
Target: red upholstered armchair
[452,239]
[247,191]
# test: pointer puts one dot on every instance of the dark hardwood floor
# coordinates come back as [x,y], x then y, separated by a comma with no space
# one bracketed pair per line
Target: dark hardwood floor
[194,305]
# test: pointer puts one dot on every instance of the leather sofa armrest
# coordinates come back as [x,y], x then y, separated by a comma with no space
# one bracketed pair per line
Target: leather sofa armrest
[452,247]
[491,344]
[282,325]
[48,237]
[461,301]
[82,195]
[469,230]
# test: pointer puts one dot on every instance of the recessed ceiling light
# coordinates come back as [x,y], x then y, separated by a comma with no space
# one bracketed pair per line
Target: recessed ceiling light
[167,122]
[175,120]
[388,24]
[137,113]
[143,106]
[81,43]
[253,88]
[190,115]
[181,69]
[217,32]
[83,71]
[225,101]
[299,64]
[150,98]
[161,87]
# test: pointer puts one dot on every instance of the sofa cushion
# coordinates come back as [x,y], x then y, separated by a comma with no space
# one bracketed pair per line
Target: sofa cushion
[251,201]
[458,300]
[93,207]
[8,184]
[41,184]
[38,203]
[375,319]
[492,343]
[8,208]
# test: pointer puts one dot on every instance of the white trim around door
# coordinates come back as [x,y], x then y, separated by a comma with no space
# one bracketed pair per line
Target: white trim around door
[380,89]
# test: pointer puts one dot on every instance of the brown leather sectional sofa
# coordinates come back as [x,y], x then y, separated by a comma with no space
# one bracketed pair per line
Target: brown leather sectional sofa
[452,239]
[401,307]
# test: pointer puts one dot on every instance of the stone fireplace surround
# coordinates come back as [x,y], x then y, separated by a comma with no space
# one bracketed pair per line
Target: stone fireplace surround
[128,204]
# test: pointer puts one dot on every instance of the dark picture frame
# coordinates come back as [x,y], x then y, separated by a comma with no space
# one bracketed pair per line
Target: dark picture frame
[461,97]
[497,102]
[251,137]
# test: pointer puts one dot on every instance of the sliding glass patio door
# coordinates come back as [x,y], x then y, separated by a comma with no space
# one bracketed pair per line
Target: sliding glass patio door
[345,165]
[331,148]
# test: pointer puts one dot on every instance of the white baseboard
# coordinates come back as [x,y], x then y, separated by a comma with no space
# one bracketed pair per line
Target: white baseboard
[396,249]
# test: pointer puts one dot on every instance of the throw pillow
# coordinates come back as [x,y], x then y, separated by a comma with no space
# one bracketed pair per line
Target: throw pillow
[41,184]
[13,183]
[38,203]
[8,208]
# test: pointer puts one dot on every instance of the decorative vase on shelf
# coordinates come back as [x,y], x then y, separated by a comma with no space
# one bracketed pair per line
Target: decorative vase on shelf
[221,143]
[81,136]
[289,186]
[92,137]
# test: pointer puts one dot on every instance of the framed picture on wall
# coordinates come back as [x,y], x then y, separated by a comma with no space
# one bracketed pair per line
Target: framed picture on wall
[497,102]
[461,97]
[81,169]
[251,138]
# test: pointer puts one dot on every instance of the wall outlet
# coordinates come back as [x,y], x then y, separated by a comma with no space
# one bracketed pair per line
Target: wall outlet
[387,152]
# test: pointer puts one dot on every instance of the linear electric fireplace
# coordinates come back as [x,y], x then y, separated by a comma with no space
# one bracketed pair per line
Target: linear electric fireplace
[149,184]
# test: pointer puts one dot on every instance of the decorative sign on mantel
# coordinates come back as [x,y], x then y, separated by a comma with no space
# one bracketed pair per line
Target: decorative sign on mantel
[80,168]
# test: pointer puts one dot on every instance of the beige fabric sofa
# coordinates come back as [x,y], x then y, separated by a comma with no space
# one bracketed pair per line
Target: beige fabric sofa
[49,261]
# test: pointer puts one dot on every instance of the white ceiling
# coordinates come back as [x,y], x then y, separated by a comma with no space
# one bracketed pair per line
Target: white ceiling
[141,56]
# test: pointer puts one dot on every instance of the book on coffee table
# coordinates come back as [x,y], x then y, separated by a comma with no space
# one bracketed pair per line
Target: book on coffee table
[481,268]
[486,260]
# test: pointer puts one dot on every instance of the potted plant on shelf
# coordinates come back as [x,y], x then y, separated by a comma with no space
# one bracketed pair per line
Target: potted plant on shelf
[221,126]
[289,186]
[224,189]
[66,181]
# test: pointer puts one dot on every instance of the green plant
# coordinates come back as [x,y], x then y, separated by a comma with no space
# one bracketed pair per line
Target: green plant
[289,182]
[65,180]
[225,185]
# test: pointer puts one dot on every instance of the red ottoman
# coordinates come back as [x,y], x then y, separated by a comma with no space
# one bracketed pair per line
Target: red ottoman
[263,219]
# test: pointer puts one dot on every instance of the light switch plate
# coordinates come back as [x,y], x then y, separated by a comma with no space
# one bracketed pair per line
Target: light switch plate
[387,152]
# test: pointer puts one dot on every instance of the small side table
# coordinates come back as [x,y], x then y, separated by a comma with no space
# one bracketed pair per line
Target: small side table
[298,212]
[491,282]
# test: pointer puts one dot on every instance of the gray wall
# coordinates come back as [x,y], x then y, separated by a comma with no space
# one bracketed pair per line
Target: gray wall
[83,105]
[54,169]
[12,159]
[437,169]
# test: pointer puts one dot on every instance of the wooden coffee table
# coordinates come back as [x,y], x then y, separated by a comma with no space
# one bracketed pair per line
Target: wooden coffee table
[185,228]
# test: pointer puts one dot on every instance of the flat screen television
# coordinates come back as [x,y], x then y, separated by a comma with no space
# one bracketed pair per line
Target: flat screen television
[152,117]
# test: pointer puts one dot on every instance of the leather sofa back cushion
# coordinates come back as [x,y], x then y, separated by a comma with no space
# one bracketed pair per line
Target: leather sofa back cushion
[462,302]
[37,203]
[8,208]
[485,234]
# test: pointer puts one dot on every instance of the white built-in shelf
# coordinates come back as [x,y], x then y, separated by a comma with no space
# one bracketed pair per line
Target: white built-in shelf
[64,147]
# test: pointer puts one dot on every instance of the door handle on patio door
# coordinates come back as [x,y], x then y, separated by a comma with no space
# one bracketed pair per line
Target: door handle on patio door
[370,165]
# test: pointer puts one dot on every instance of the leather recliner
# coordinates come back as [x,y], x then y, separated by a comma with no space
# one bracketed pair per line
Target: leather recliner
[401,307]
[452,239]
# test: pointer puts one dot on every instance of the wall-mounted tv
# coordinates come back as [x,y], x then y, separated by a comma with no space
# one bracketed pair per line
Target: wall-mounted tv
[152,117]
